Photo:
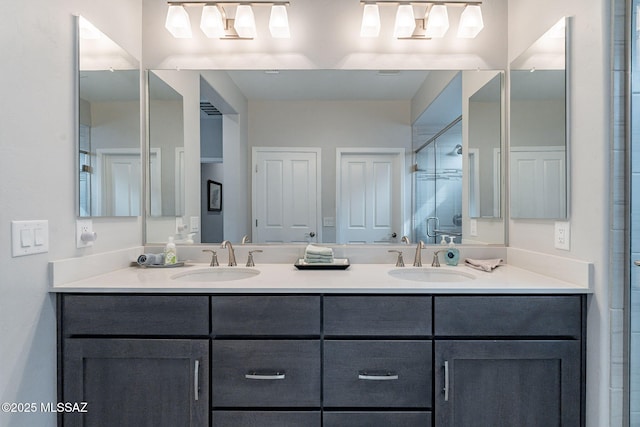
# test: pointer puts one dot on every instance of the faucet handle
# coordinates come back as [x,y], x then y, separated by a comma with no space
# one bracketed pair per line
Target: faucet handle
[250,262]
[400,260]
[214,258]
[436,259]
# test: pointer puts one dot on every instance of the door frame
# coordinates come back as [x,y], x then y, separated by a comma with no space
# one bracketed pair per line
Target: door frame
[254,157]
[400,157]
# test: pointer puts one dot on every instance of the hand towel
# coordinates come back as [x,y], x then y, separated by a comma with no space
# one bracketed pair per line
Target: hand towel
[151,259]
[483,264]
[318,250]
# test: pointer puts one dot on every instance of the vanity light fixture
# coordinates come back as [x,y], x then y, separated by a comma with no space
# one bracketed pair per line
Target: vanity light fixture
[370,21]
[470,22]
[178,22]
[434,24]
[215,24]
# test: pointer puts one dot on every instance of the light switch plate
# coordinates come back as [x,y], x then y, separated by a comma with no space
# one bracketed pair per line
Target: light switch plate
[194,224]
[29,237]
[562,235]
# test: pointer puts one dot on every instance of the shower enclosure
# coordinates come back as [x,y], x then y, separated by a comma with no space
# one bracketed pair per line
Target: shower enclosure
[437,186]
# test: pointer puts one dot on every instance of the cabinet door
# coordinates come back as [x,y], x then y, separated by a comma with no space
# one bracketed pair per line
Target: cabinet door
[507,383]
[137,382]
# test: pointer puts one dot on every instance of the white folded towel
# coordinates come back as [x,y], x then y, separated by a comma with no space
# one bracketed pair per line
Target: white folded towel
[318,250]
[483,264]
[151,259]
[318,255]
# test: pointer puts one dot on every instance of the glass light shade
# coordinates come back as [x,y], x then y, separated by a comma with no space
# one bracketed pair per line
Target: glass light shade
[405,21]
[370,21]
[211,22]
[470,22]
[245,23]
[178,22]
[279,22]
[437,21]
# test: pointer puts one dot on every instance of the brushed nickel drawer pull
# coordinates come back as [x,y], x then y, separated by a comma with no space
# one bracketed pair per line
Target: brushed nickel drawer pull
[377,376]
[265,375]
[196,380]
[446,381]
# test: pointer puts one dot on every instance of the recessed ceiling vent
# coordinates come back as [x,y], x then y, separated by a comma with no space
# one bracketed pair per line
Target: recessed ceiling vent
[208,108]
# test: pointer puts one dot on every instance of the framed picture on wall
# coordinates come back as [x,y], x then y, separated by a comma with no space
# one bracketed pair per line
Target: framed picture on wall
[214,196]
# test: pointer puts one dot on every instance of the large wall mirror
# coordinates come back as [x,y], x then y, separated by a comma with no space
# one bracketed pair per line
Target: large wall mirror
[327,155]
[538,123]
[109,162]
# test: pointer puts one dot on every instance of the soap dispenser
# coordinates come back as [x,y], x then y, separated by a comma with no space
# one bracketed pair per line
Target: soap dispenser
[453,254]
[170,256]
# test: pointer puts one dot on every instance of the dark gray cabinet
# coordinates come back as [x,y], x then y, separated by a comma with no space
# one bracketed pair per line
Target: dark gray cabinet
[322,360]
[137,382]
[136,360]
[507,383]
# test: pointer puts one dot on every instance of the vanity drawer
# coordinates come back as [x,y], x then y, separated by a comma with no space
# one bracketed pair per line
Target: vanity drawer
[135,315]
[508,316]
[387,374]
[377,315]
[265,315]
[265,373]
[266,419]
[377,419]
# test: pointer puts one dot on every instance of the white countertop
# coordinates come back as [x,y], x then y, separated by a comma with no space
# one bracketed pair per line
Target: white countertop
[358,278]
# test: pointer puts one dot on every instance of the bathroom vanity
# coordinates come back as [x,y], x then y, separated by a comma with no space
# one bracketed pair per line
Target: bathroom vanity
[406,354]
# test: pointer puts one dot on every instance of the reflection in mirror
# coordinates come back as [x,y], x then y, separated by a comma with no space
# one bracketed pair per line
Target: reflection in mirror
[485,145]
[166,148]
[438,167]
[538,140]
[109,166]
[330,127]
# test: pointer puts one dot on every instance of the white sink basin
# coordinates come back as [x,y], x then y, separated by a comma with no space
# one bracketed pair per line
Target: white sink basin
[434,274]
[216,274]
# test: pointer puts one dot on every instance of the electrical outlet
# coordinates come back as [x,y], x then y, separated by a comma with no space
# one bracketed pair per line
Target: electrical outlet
[473,227]
[194,224]
[562,235]
[84,227]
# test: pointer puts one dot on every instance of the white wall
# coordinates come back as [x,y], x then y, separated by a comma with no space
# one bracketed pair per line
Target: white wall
[589,166]
[38,175]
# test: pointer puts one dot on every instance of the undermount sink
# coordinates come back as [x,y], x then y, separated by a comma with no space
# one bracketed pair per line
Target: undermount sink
[216,274]
[431,275]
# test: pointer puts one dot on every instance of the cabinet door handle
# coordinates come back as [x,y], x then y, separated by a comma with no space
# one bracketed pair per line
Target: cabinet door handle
[377,376]
[265,375]
[637,263]
[196,380]
[446,381]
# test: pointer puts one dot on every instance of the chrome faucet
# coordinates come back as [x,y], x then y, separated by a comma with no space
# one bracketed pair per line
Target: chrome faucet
[405,239]
[214,258]
[250,262]
[245,239]
[417,260]
[232,256]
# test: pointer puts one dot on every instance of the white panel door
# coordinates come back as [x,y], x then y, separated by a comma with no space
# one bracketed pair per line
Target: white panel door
[538,180]
[286,206]
[370,197]
[119,183]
